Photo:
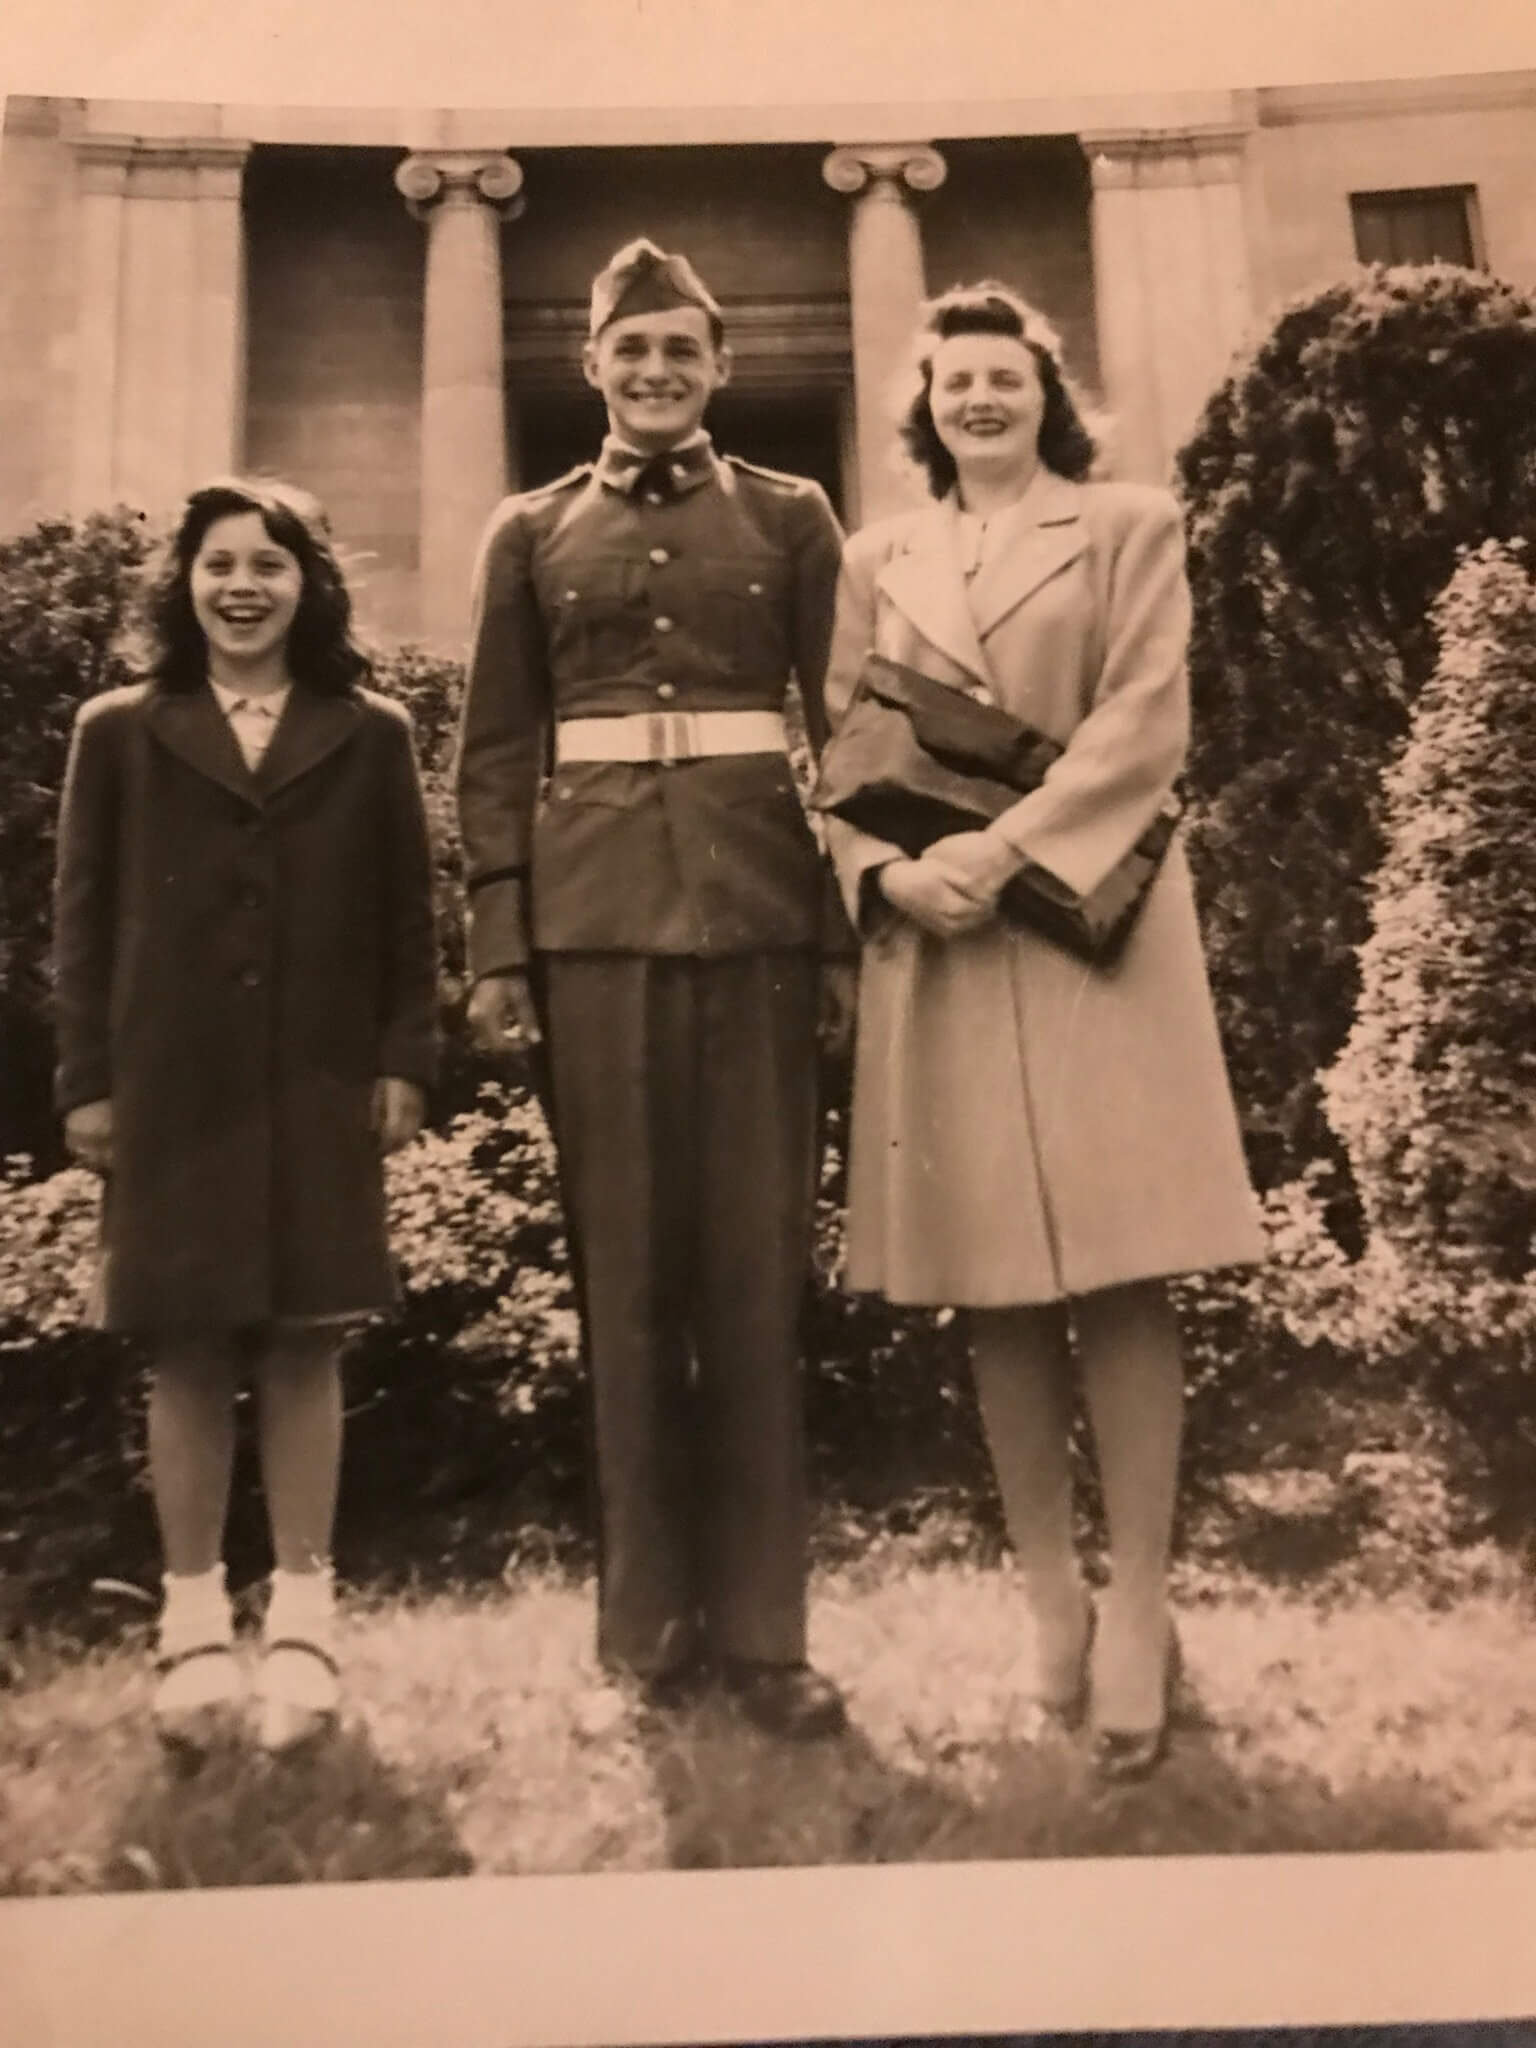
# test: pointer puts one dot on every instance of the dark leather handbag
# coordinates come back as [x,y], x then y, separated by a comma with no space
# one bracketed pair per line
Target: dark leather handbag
[916,759]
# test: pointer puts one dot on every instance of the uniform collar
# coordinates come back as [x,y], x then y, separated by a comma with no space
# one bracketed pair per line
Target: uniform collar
[671,471]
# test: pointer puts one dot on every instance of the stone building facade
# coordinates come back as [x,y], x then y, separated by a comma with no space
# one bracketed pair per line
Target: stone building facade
[389,307]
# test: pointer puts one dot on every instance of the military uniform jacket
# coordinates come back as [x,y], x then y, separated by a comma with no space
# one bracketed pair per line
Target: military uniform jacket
[701,585]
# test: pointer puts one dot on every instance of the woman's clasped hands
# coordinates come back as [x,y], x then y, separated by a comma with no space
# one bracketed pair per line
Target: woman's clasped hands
[953,887]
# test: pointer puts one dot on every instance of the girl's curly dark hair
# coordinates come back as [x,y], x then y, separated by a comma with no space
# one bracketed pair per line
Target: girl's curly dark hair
[1066,445]
[322,654]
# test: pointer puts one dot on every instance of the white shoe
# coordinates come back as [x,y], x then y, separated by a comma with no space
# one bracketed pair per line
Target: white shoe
[199,1698]
[299,1687]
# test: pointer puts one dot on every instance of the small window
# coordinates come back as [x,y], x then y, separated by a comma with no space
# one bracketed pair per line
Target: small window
[1432,225]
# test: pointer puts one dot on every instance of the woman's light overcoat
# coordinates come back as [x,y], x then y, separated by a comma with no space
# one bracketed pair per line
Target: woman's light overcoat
[1027,1127]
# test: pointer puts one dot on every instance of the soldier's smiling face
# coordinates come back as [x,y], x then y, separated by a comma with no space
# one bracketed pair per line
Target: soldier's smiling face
[656,373]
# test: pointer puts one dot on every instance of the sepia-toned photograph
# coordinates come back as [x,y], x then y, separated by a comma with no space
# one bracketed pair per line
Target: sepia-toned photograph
[766,1064]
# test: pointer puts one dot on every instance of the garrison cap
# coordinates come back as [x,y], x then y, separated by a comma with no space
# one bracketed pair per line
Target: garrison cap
[641,278]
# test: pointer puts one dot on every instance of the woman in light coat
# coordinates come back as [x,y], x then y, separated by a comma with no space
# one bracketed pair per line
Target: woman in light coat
[1036,1140]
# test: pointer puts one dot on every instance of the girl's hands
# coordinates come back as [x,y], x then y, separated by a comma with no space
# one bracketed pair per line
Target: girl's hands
[398,1109]
[88,1134]
[923,891]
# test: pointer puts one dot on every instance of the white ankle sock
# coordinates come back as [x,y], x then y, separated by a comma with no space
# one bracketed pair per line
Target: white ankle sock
[196,1611]
[302,1606]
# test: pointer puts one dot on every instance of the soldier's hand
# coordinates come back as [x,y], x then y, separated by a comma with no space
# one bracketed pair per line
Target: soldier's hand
[839,1006]
[88,1134]
[398,1109]
[501,1014]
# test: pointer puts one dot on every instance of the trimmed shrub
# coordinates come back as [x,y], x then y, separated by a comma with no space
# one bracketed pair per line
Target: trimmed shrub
[1380,425]
[1433,1095]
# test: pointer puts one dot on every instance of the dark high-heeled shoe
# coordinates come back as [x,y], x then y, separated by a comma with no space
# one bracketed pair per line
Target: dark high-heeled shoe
[1123,1756]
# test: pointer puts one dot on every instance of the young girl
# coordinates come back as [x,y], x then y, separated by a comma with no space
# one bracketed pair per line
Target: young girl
[245,968]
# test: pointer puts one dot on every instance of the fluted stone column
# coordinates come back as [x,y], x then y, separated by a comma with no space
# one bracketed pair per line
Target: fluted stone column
[1172,281]
[887,285]
[159,356]
[463,196]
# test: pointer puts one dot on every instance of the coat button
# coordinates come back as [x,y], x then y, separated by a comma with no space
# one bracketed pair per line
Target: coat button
[663,624]
[250,977]
[251,897]
[666,689]
[660,555]
[755,589]
[653,497]
[571,596]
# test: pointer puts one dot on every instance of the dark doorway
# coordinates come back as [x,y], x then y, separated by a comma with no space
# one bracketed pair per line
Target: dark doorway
[797,431]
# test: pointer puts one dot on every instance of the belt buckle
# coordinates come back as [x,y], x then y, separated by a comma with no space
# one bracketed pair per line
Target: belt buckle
[674,736]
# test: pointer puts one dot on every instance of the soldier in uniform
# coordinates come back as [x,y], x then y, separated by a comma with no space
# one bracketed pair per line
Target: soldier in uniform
[645,894]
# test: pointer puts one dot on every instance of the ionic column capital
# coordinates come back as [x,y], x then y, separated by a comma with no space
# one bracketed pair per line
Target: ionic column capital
[879,170]
[461,177]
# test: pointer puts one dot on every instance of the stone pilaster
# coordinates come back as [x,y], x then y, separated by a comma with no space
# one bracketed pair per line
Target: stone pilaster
[159,356]
[1171,279]
[463,196]
[886,285]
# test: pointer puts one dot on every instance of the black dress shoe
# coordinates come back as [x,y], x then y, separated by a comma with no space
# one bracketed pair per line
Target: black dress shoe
[677,1688]
[790,1700]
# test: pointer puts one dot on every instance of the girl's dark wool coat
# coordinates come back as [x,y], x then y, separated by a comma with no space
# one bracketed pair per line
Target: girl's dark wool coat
[238,957]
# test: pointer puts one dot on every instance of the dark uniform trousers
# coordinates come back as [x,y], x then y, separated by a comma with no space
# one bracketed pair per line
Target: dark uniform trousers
[676,915]
[684,1111]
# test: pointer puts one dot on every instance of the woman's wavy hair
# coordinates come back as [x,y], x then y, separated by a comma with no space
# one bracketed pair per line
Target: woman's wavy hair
[1065,443]
[322,654]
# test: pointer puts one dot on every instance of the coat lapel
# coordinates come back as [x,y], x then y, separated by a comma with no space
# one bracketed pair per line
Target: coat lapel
[1038,537]
[311,727]
[191,725]
[925,581]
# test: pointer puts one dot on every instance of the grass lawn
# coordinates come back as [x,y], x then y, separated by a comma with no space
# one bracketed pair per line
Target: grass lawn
[480,1737]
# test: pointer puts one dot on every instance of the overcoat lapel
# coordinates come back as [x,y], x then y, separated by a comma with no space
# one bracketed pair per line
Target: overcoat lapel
[191,725]
[926,583]
[1038,537]
[311,727]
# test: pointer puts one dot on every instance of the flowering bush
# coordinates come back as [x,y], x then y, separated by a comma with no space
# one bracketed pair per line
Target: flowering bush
[475,1226]
[47,1251]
